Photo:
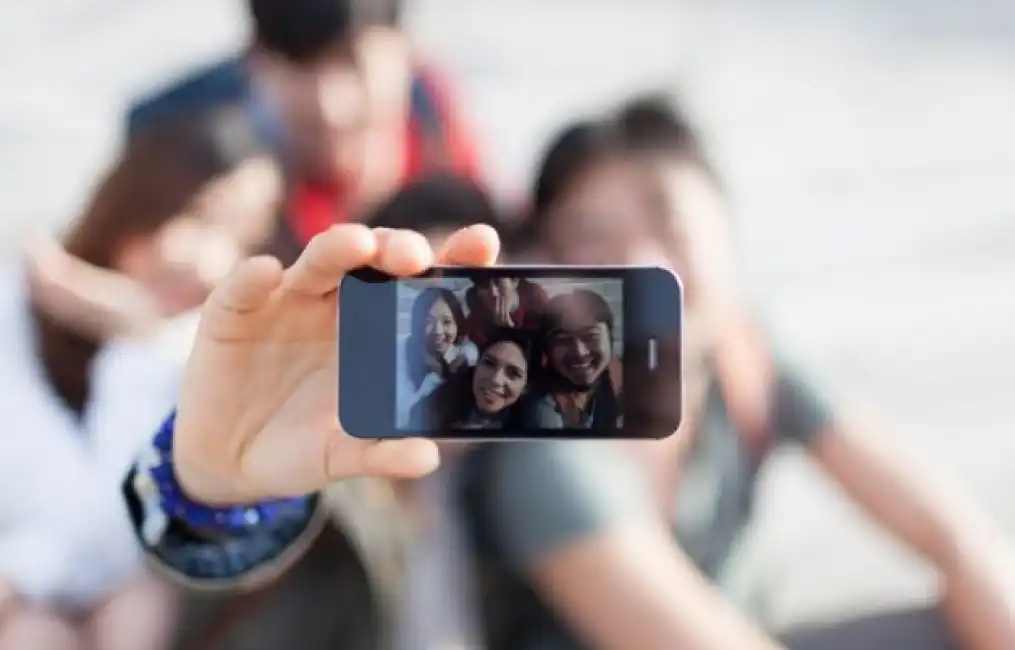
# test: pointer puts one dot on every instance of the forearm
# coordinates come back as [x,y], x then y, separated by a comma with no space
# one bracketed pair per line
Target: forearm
[933,518]
[978,603]
[919,506]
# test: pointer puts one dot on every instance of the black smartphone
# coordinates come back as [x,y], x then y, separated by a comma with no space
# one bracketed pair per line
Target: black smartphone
[511,352]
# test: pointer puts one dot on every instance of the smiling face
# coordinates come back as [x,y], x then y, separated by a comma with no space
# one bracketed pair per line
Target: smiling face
[500,377]
[440,328]
[580,347]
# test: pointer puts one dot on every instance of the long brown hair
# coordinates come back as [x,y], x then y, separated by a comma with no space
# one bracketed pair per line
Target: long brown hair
[156,177]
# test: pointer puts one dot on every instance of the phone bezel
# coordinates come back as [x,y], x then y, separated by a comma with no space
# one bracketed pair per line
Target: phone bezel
[367,329]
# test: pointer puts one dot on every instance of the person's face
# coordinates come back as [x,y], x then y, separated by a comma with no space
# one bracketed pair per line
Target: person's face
[497,291]
[182,261]
[500,377]
[244,202]
[581,349]
[324,107]
[441,330]
[666,213]
[606,217]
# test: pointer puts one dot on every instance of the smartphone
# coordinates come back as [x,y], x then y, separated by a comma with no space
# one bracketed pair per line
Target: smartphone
[511,352]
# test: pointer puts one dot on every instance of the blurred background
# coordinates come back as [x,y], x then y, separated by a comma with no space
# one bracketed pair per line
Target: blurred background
[869,147]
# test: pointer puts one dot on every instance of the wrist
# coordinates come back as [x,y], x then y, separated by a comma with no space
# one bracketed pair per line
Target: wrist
[159,485]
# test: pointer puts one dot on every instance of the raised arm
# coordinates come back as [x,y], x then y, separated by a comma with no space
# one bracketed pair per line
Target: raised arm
[926,510]
[919,505]
[257,416]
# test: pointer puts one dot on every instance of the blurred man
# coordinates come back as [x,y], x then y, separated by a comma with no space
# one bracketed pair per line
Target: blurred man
[335,88]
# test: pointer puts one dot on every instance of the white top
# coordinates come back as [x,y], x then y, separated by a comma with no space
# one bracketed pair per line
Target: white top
[65,535]
[408,395]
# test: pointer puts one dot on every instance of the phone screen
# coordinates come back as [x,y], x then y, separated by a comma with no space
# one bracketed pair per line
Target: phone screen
[509,352]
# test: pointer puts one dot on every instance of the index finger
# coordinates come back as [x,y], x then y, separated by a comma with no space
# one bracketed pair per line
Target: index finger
[328,257]
[473,246]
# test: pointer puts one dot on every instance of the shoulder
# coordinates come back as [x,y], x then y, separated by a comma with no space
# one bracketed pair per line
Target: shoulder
[544,495]
[219,84]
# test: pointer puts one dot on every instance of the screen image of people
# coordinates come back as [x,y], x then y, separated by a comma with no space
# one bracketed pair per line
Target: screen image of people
[509,353]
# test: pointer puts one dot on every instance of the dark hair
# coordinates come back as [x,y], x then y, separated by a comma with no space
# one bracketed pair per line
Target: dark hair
[523,338]
[421,307]
[156,177]
[656,124]
[442,202]
[454,399]
[589,301]
[647,125]
[303,30]
[573,151]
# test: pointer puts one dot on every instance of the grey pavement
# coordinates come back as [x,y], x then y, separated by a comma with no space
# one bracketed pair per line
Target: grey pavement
[870,149]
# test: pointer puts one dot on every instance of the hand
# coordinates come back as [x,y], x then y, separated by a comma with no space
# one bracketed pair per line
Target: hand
[257,415]
[502,313]
[95,302]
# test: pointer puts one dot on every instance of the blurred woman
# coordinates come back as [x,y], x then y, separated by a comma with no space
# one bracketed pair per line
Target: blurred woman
[91,357]
[484,396]
[570,526]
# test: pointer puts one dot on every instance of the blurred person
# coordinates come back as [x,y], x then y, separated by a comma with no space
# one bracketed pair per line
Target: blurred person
[436,349]
[485,395]
[91,355]
[346,102]
[576,389]
[640,189]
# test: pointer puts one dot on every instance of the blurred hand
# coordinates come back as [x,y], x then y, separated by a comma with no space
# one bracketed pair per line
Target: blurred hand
[97,303]
[258,410]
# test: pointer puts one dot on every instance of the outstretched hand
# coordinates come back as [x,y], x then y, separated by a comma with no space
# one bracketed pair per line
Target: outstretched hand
[257,416]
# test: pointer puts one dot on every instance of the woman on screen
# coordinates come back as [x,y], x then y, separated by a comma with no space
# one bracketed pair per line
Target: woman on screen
[483,397]
[436,348]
